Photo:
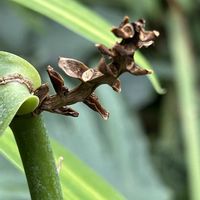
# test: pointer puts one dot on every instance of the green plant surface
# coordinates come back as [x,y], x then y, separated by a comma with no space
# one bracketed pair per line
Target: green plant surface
[123,170]
[81,20]
[18,187]
[36,154]
[32,141]
[119,152]
[186,79]
[117,149]
[18,81]
[126,149]
[78,181]
[15,97]
[74,16]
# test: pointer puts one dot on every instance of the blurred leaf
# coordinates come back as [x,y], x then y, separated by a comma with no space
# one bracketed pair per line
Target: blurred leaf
[78,181]
[63,42]
[17,185]
[153,78]
[118,142]
[186,85]
[168,149]
[76,17]
[187,5]
[10,20]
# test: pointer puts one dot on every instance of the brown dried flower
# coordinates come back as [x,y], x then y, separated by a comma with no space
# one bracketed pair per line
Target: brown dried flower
[120,59]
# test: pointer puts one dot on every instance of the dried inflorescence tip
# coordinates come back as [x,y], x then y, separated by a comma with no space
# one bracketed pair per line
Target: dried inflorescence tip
[114,62]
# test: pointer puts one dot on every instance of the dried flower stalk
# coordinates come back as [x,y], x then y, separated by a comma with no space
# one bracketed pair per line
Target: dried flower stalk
[120,59]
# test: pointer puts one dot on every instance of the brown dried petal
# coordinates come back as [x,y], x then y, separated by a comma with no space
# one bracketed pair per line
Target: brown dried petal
[72,67]
[93,103]
[136,70]
[109,70]
[145,44]
[117,32]
[125,29]
[116,86]
[146,36]
[42,92]
[104,50]
[56,80]
[139,24]
[104,68]
[124,32]
[128,30]
[87,75]
[156,33]
[125,21]
[91,74]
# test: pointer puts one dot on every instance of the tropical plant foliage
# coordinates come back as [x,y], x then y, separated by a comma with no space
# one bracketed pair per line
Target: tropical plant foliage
[149,147]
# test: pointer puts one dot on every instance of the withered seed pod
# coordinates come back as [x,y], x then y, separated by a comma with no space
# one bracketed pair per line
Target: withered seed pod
[120,59]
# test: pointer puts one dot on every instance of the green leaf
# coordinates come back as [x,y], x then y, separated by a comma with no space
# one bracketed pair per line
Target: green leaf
[78,181]
[15,97]
[17,185]
[74,16]
[9,148]
[140,59]
[81,20]
[186,85]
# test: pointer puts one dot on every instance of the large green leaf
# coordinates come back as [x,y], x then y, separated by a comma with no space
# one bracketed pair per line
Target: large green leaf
[81,20]
[78,181]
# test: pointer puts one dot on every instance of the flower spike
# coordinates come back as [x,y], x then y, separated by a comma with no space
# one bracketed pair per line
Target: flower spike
[119,59]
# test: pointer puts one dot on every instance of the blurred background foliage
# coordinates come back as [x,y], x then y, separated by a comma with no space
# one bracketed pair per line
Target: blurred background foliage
[141,150]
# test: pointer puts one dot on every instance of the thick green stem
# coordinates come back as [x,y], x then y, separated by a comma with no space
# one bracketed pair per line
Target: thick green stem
[37,157]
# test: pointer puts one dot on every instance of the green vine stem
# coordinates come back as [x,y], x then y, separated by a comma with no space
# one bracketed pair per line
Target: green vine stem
[37,157]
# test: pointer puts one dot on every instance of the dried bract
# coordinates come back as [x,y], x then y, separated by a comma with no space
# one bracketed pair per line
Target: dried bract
[119,59]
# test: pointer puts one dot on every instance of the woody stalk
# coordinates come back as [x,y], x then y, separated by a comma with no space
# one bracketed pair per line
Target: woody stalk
[114,61]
